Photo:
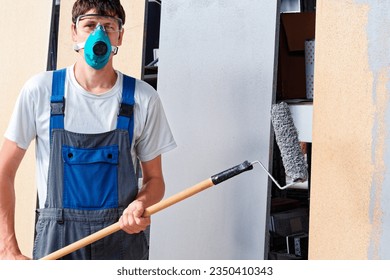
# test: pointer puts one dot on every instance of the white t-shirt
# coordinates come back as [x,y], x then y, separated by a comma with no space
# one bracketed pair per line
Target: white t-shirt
[86,113]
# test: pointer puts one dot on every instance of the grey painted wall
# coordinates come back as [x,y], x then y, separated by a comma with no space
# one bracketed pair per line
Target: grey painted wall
[216,74]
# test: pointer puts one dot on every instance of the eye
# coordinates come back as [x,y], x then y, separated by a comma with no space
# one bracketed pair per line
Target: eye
[90,25]
[109,28]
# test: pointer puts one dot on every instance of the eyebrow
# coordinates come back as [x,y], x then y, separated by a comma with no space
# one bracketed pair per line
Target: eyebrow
[102,19]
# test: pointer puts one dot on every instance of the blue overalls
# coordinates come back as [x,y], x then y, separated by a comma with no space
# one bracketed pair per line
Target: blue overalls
[91,181]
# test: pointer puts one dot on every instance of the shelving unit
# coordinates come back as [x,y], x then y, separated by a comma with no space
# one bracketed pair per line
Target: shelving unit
[290,208]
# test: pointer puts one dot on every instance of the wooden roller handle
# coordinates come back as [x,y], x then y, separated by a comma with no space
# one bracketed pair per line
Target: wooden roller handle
[115,227]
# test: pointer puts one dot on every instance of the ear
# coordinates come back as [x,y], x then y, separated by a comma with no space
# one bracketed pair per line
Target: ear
[73,32]
[120,38]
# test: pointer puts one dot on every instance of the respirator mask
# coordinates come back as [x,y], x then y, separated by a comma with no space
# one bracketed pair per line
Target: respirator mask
[97,47]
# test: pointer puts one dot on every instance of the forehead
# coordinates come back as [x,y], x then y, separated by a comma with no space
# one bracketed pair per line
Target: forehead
[96,13]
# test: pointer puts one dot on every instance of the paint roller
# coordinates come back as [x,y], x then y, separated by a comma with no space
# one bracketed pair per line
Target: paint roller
[286,136]
[292,157]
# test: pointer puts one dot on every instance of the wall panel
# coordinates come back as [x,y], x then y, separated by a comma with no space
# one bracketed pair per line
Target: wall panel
[25,27]
[216,73]
[349,212]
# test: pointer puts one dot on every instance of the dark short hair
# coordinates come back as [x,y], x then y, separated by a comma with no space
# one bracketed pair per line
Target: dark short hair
[102,7]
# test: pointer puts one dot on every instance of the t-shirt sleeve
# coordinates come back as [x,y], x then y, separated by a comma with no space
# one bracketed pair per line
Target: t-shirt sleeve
[156,137]
[21,128]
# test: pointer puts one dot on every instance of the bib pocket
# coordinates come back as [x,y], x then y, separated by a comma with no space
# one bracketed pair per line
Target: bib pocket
[90,177]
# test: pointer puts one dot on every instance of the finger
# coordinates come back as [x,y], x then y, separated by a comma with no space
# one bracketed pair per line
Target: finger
[142,221]
[130,224]
[138,226]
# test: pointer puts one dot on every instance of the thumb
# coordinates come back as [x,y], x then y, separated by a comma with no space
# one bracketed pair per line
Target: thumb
[139,210]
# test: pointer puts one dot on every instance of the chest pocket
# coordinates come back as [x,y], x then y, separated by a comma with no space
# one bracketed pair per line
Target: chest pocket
[90,177]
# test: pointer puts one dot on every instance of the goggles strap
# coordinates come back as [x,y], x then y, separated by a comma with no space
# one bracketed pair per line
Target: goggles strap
[78,46]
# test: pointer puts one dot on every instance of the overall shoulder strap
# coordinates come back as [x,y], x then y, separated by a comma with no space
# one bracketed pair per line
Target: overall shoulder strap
[126,112]
[57,100]
[125,116]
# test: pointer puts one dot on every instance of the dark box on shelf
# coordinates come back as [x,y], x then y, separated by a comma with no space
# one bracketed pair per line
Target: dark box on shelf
[295,29]
[297,244]
[289,222]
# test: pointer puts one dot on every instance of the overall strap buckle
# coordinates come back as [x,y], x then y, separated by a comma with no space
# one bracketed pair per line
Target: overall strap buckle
[57,107]
[126,110]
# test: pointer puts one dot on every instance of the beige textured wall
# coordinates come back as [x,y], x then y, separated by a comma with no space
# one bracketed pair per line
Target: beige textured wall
[24,27]
[130,56]
[25,55]
[343,120]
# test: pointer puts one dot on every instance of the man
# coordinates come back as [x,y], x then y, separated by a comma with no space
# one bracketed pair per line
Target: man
[91,124]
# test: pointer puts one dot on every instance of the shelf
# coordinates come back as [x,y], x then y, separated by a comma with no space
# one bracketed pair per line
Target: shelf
[302,114]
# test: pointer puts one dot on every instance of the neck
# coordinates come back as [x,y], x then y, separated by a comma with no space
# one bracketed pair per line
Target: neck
[95,81]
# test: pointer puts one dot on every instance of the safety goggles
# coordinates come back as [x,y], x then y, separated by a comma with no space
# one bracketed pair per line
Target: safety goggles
[87,23]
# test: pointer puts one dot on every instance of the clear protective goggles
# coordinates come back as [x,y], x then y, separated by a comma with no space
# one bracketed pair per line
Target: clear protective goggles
[87,23]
